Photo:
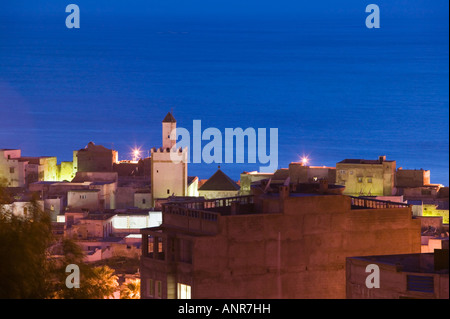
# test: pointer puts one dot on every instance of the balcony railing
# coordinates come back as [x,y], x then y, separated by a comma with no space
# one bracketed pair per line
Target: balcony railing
[212,203]
[359,202]
[191,213]
[203,209]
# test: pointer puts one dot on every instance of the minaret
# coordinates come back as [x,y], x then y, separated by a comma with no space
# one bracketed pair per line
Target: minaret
[168,124]
[168,177]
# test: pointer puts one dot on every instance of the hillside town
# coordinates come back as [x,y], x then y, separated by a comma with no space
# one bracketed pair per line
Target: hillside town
[299,232]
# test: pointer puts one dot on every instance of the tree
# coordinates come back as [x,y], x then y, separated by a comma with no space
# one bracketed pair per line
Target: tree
[101,283]
[27,268]
[23,251]
[95,282]
[131,290]
[71,254]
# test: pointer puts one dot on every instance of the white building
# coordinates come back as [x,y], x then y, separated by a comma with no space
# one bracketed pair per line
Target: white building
[168,178]
[12,169]
[88,199]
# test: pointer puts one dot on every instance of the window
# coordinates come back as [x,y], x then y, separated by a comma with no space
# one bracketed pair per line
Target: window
[25,211]
[342,171]
[369,180]
[315,178]
[82,196]
[168,191]
[143,201]
[360,179]
[420,283]
[11,170]
[52,208]
[158,289]
[184,291]
[150,288]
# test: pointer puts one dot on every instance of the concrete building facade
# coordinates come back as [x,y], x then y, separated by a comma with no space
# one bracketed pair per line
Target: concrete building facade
[248,178]
[301,173]
[367,177]
[286,245]
[86,199]
[95,158]
[411,177]
[404,276]
[12,169]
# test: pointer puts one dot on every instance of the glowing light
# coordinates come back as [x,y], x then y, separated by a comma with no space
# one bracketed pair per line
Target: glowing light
[136,154]
[305,160]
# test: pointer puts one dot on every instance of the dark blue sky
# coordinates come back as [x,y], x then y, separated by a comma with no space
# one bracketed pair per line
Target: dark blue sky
[225,7]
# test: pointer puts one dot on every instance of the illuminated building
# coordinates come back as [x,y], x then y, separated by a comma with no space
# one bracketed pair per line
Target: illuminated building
[20,171]
[247,178]
[107,234]
[219,185]
[427,199]
[12,170]
[66,171]
[96,158]
[366,177]
[298,172]
[278,243]
[88,199]
[18,201]
[168,178]
[43,168]
[88,190]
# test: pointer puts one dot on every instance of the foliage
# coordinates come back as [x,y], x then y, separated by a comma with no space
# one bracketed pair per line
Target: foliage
[95,282]
[131,289]
[23,252]
[28,268]
[101,283]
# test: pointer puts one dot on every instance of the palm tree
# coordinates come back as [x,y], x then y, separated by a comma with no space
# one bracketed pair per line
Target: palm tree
[101,283]
[131,290]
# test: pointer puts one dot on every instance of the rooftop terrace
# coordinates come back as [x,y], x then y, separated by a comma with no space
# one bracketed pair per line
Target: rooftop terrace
[210,209]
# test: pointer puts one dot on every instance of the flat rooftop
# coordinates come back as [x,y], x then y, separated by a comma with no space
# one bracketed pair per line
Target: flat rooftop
[84,190]
[98,216]
[362,161]
[416,263]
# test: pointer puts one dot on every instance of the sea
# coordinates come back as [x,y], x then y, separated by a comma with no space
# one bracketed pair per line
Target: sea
[332,87]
